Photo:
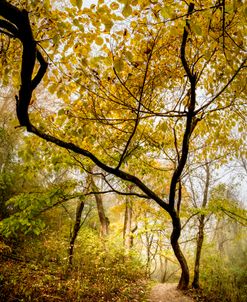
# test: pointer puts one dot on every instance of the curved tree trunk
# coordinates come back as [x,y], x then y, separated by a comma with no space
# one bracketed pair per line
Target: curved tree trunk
[182,156]
[185,276]
[199,242]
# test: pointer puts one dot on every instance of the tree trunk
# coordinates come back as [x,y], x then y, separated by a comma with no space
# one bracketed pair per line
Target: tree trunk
[127,232]
[185,276]
[76,229]
[104,221]
[199,242]
[164,268]
[200,236]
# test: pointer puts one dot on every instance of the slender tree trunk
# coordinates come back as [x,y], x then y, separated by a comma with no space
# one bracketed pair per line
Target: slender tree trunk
[200,236]
[127,232]
[199,243]
[75,232]
[104,221]
[164,268]
[149,242]
[185,277]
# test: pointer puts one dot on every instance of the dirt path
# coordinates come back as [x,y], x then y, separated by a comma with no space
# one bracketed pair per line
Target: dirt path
[167,292]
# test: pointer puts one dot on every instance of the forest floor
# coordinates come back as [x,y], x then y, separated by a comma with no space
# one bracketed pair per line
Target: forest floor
[167,292]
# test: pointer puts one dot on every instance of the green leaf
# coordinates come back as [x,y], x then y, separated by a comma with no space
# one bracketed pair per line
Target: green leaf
[166,12]
[196,28]
[37,232]
[56,39]
[52,89]
[129,56]
[118,65]
[61,112]
[114,5]
[73,2]
[79,3]
[76,22]
[108,25]
[127,11]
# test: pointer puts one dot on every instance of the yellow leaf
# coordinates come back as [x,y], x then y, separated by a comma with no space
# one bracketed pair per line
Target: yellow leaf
[127,10]
[73,2]
[99,41]
[129,55]
[166,12]
[118,65]
[196,28]
[79,3]
[114,6]
[108,24]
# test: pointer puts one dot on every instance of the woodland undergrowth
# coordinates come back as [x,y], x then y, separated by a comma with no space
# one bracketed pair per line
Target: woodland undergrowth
[101,272]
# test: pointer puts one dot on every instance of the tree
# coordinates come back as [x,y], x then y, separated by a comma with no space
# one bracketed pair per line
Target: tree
[211,200]
[76,229]
[128,229]
[103,219]
[173,66]
[200,235]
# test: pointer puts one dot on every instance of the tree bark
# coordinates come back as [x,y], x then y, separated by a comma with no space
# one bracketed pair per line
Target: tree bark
[127,233]
[199,243]
[164,266]
[185,277]
[75,232]
[104,221]
[200,236]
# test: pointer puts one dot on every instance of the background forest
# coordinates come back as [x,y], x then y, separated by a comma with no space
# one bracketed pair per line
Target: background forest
[122,149]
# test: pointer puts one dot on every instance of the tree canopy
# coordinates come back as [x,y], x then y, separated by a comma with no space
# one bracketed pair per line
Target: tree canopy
[133,86]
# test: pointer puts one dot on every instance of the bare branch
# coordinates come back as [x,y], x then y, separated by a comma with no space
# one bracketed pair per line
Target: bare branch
[123,156]
[241,66]
[235,216]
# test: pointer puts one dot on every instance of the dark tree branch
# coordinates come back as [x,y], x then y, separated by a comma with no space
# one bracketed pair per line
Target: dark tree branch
[6,33]
[19,25]
[124,154]
[241,66]
[12,30]
[179,195]
[20,19]
[124,85]
[119,193]
[188,220]
[41,72]
[223,22]
[113,190]
[189,119]
[234,216]
[184,42]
